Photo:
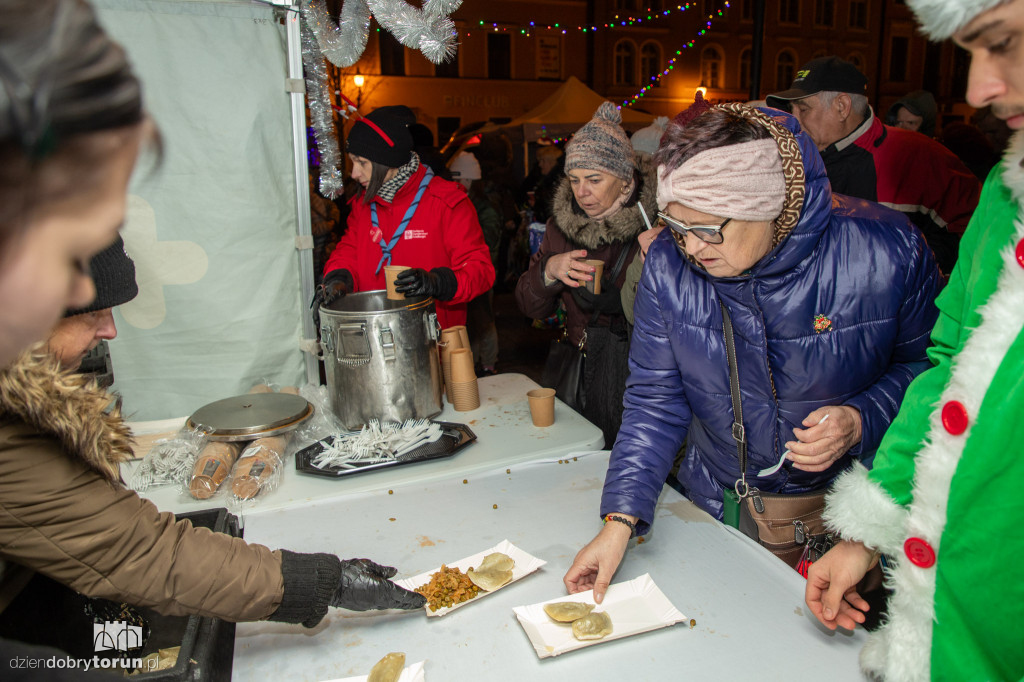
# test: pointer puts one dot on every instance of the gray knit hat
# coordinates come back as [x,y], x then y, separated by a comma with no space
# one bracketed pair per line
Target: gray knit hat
[602,145]
[942,18]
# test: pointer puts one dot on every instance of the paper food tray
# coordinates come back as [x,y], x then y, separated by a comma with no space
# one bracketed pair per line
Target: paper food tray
[635,606]
[525,565]
[410,673]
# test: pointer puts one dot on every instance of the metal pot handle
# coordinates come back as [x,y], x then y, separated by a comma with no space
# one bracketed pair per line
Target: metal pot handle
[353,346]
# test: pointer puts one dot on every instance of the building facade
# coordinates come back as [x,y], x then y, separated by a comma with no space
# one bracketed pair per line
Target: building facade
[514,53]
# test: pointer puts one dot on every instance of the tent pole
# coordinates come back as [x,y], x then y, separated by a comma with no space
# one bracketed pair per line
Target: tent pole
[304,228]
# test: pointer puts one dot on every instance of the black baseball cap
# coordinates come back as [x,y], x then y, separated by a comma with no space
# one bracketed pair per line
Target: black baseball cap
[823,74]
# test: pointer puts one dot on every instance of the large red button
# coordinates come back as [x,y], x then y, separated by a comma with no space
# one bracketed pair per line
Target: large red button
[919,552]
[954,417]
[1020,253]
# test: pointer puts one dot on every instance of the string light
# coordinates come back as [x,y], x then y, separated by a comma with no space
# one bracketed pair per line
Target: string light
[617,21]
[656,79]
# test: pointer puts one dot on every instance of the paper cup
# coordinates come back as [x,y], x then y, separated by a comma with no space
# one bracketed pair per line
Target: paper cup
[390,273]
[464,337]
[542,406]
[462,366]
[465,396]
[594,286]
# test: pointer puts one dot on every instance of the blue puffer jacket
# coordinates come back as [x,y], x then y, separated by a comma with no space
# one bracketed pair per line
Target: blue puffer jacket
[865,268]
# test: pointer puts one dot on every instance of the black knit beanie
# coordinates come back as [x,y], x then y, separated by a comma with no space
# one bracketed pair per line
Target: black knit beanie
[383,136]
[113,272]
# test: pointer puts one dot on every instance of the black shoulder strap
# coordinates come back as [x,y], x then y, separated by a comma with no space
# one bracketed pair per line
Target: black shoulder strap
[738,431]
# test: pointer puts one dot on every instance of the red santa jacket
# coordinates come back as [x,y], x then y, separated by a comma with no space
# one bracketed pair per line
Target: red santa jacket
[444,232]
[911,173]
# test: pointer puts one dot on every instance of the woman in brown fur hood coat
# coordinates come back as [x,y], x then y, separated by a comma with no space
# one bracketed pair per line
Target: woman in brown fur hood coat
[596,215]
[64,512]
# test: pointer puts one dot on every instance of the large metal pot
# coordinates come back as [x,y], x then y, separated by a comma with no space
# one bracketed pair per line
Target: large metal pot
[381,358]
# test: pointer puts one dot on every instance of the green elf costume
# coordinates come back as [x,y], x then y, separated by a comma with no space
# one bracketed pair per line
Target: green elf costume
[945,499]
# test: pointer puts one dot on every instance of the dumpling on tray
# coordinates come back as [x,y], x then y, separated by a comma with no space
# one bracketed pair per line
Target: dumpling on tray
[567,611]
[494,571]
[388,669]
[592,626]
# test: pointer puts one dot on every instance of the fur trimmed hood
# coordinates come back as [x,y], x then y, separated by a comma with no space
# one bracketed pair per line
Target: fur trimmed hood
[623,225]
[942,18]
[69,406]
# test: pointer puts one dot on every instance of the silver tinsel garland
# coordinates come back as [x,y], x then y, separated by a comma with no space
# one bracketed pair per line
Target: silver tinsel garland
[429,30]
[321,114]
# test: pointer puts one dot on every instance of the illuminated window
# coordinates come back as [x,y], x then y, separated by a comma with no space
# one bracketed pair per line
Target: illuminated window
[625,63]
[711,67]
[650,62]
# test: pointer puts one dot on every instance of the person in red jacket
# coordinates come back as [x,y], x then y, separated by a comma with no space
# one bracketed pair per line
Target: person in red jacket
[405,215]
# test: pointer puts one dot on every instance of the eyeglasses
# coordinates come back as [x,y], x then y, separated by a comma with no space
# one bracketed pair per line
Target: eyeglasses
[710,234]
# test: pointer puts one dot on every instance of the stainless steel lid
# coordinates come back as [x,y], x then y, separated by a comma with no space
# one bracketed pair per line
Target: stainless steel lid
[253,415]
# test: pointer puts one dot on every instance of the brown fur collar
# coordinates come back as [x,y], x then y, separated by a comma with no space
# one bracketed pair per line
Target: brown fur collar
[69,406]
[624,225]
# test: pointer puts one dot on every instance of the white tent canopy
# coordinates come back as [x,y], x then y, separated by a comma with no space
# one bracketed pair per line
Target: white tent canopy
[213,229]
[567,109]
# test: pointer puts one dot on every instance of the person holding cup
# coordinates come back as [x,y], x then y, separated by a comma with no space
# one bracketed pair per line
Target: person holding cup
[596,215]
[405,215]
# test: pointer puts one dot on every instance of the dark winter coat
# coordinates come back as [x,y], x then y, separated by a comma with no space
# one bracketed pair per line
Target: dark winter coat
[568,230]
[838,313]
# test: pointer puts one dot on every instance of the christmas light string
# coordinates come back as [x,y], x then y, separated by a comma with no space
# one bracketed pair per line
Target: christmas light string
[617,22]
[656,79]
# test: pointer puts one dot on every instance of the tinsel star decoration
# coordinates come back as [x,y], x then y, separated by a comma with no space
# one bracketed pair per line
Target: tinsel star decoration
[428,29]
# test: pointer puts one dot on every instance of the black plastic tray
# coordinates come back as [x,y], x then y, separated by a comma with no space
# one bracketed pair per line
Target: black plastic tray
[456,437]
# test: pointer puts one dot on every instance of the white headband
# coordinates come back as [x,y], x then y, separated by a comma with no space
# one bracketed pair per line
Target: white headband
[741,181]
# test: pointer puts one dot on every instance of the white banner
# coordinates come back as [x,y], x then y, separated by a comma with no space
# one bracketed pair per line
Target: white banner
[212,230]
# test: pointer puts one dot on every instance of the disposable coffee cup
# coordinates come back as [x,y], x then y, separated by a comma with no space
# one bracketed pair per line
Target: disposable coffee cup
[390,274]
[542,406]
[462,366]
[465,396]
[594,286]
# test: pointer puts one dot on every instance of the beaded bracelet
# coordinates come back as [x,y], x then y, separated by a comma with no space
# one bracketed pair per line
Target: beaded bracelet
[621,519]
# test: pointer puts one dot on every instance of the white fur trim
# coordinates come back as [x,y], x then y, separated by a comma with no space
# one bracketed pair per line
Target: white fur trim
[851,496]
[942,18]
[912,605]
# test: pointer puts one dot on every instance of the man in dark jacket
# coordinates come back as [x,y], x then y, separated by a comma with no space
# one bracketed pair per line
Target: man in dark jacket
[866,159]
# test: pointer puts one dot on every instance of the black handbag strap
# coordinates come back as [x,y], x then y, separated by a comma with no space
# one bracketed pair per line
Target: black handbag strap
[738,431]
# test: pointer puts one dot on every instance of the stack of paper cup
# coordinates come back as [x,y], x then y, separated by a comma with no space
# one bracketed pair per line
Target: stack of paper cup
[465,395]
[450,340]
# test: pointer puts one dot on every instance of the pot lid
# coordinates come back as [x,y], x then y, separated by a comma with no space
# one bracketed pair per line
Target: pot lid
[253,415]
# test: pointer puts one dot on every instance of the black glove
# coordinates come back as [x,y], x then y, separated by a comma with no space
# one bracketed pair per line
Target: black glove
[608,302]
[336,283]
[439,283]
[365,586]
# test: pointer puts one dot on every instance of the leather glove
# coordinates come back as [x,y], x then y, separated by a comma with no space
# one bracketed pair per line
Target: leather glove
[365,586]
[336,283]
[439,283]
[608,302]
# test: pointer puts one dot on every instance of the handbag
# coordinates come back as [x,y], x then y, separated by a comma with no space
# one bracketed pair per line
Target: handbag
[563,371]
[788,526]
[565,367]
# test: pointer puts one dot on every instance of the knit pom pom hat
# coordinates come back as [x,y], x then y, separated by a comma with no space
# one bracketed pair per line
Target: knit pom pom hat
[602,145]
[942,18]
